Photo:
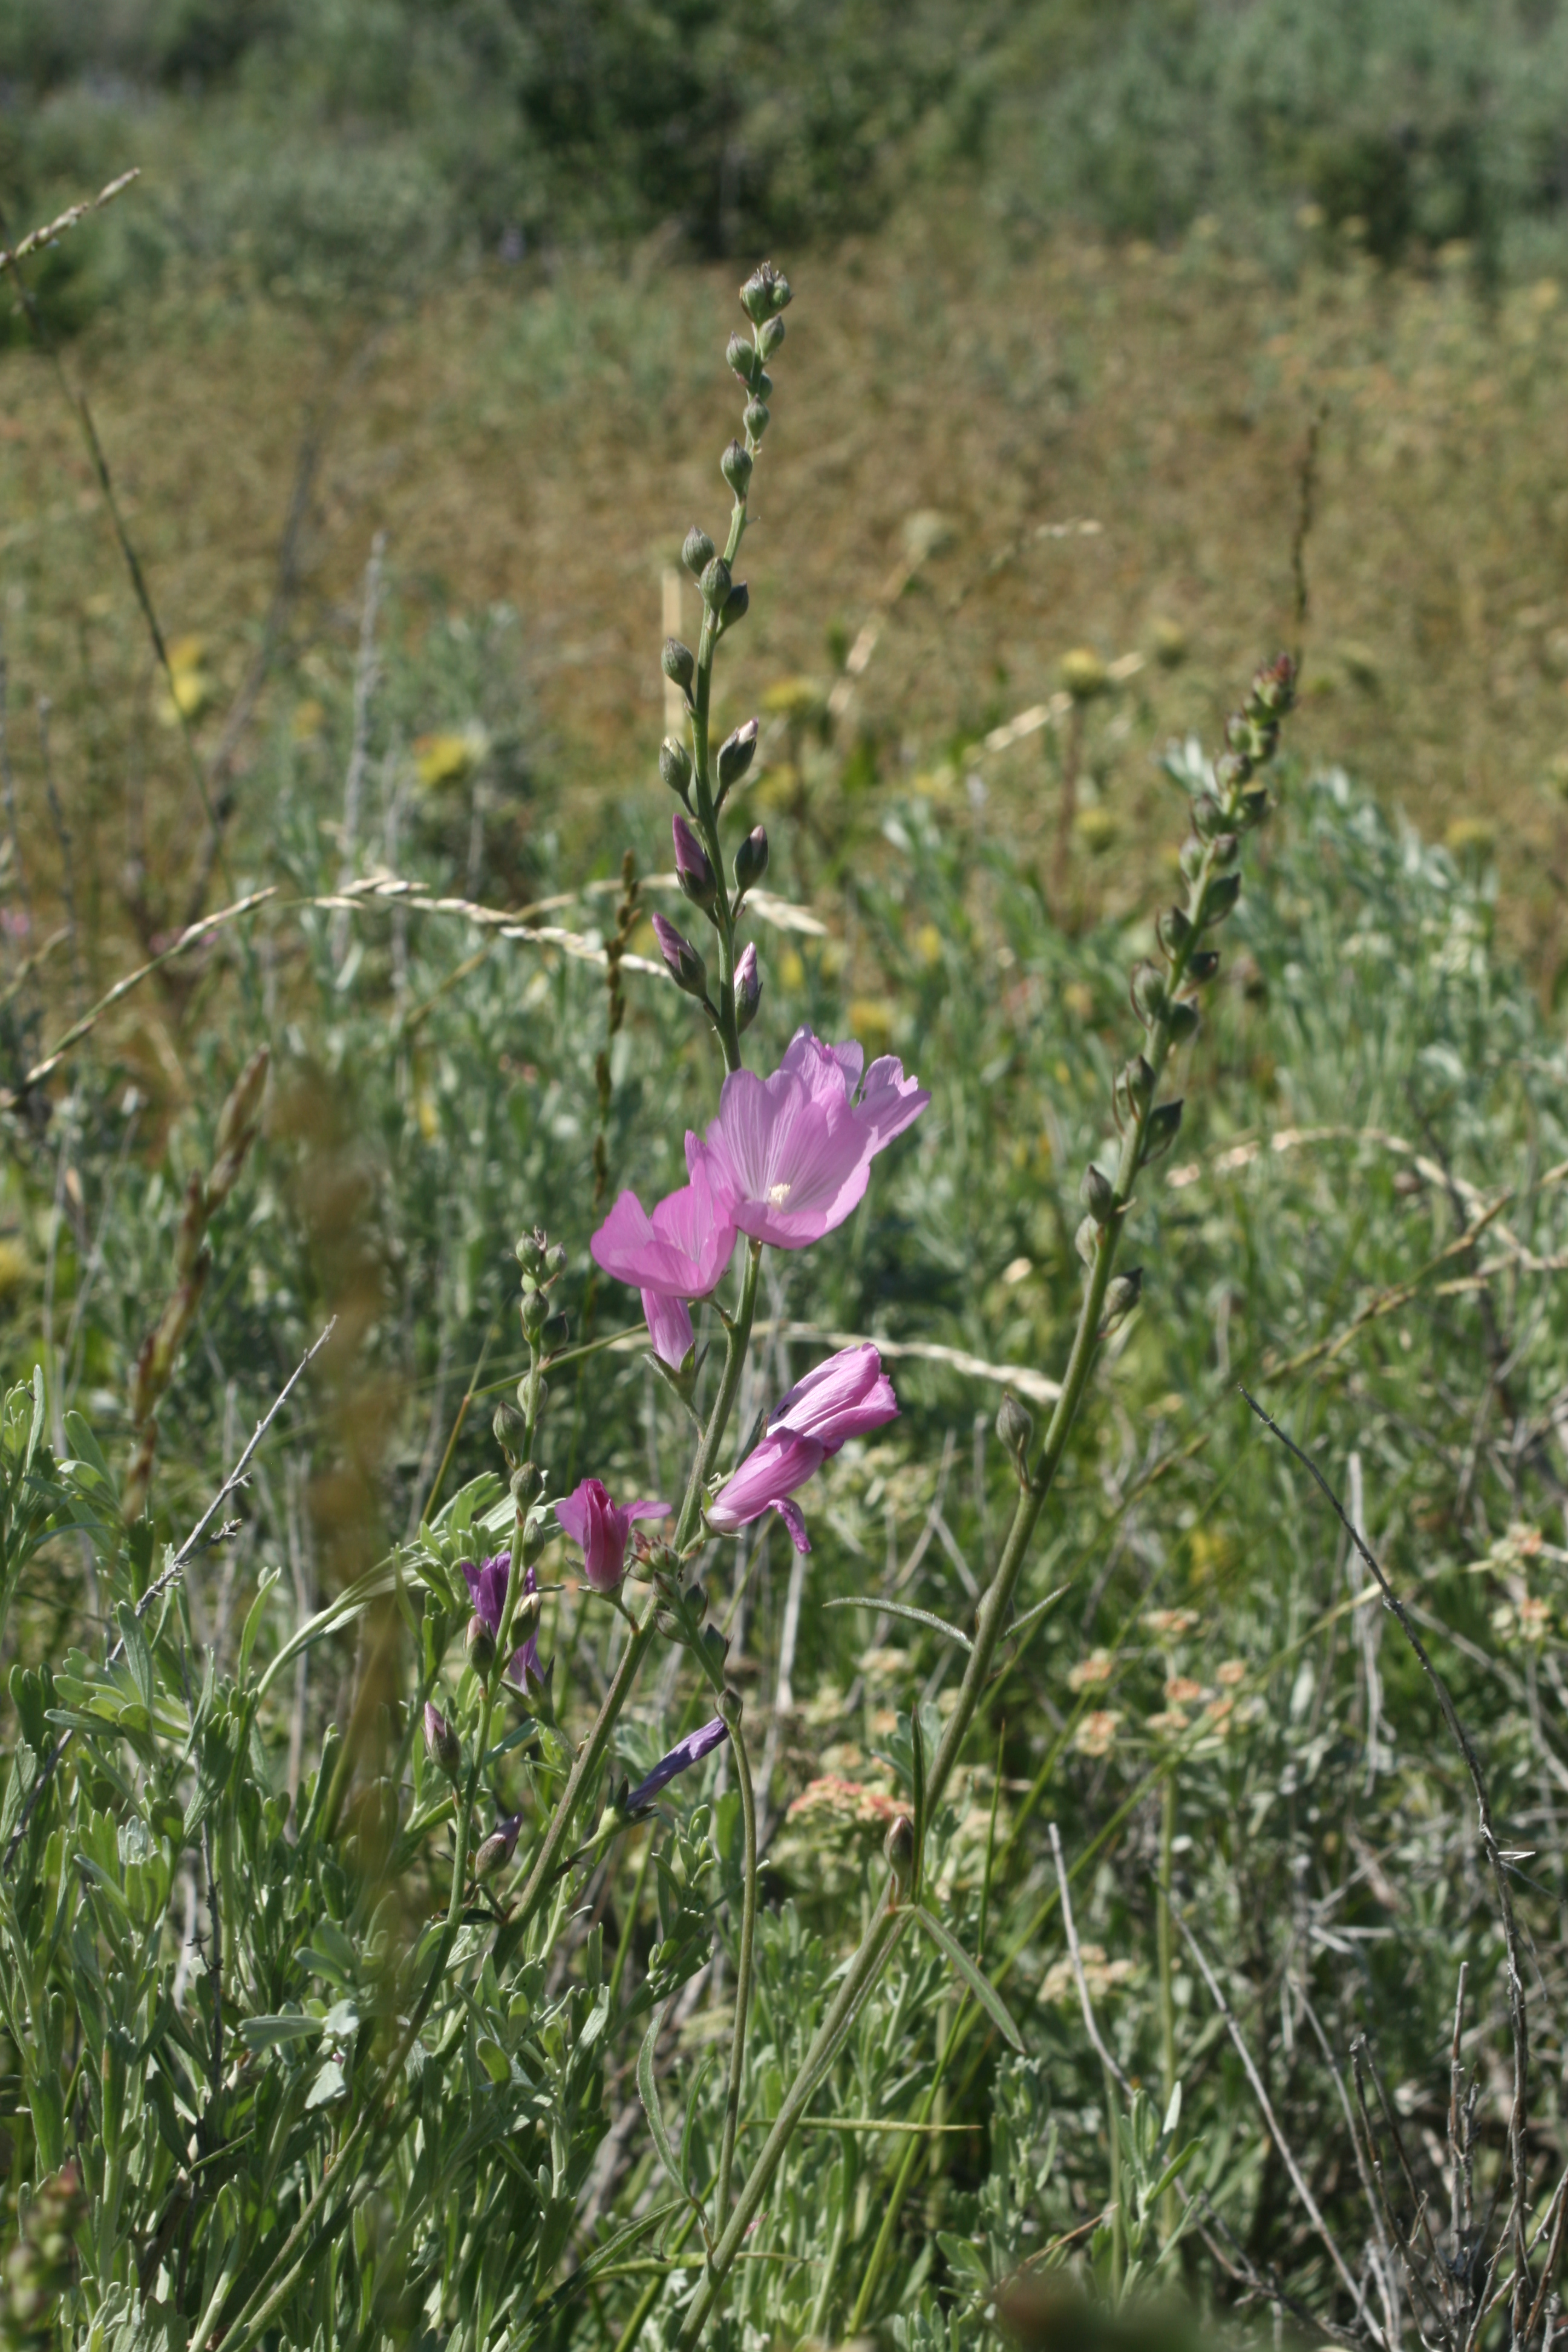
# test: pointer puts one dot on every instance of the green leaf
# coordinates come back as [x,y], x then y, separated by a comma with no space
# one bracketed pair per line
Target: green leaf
[985,1992]
[268,2033]
[257,1610]
[37,1430]
[494,2060]
[328,2086]
[84,1447]
[138,1656]
[647,2091]
[915,1616]
[1031,1617]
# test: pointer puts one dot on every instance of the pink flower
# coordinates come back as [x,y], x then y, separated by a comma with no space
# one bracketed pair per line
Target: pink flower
[790,1155]
[487,1590]
[602,1528]
[676,1255]
[845,1397]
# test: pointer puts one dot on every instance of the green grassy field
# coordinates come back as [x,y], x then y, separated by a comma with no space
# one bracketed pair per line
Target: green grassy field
[992,448]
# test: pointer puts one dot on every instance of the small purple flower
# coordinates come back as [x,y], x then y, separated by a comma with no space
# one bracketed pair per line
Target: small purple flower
[676,1255]
[790,1155]
[486,1590]
[680,1759]
[602,1528]
[843,1398]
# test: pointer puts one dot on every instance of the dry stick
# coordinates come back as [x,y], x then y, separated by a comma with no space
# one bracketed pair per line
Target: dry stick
[1419,2291]
[1386,2278]
[1361,2051]
[1517,2017]
[367,672]
[175,1568]
[1292,2168]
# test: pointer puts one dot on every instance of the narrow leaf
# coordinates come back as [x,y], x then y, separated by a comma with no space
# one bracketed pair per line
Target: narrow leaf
[984,1992]
[1031,1617]
[915,1616]
[647,2091]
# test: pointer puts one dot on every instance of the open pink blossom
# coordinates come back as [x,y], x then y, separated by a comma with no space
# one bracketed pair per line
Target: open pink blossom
[790,1155]
[676,1255]
[843,1398]
[602,1528]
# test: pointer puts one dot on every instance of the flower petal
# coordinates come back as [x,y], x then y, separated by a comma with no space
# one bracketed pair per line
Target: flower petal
[668,1327]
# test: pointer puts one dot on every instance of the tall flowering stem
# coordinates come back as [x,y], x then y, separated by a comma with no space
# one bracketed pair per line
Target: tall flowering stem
[1148,1128]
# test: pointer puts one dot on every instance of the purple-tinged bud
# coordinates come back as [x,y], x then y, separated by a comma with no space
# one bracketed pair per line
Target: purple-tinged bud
[688,969]
[751,860]
[755,418]
[480,1645]
[748,987]
[697,552]
[497,1848]
[442,1741]
[770,338]
[735,465]
[736,753]
[675,766]
[678,664]
[692,864]
[1273,691]
[742,356]
[715,584]
[737,605]
[764,294]
[899,1846]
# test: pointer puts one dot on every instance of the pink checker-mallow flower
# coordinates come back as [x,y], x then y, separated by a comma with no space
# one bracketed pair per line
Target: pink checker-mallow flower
[602,1527]
[847,1396]
[673,1256]
[791,1155]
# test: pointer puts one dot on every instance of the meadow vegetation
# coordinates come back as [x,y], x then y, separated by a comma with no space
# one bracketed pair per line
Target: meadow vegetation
[1031,508]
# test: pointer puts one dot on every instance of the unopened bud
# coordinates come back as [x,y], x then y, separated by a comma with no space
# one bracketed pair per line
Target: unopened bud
[735,465]
[737,605]
[1148,993]
[764,294]
[899,1846]
[1273,691]
[1086,1239]
[535,1535]
[1134,1085]
[715,584]
[1098,1193]
[1084,673]
[1122,1296]
[480,1645]
[755,418]
[1016,1428]
[555,1260]
[752,860]
[530,1253]
[770,338]
[1182,1020]
[1208,817]
[677,663]
[675,766]
[716,1642]
[1161,1133]
[510,1429]
[1202,964]
[697,554]
[688,969]
[535,1312]
[1174,930]
[1250,809]
[736,753]
[748,987]
[1220,896]
[741,355]
[442,1741]
[497,1848]
[692,864]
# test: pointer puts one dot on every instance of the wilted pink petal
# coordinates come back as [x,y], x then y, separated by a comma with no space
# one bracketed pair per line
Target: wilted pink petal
[602,1527]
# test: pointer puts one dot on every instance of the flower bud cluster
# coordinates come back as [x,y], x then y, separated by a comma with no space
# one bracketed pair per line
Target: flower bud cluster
[702,788]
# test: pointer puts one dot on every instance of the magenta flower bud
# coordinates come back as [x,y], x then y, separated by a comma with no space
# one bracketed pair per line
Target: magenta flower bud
[442,1741]
[690,972]
[680,1759]
[602,1528]
[486,1590]
[845,1397]
[792,1154]
[692,864]
[748,987]
[499,1847]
